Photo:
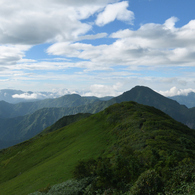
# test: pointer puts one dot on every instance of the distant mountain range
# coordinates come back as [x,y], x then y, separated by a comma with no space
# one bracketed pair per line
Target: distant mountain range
[187,100]
[8,110]
[16,96]
[22,121]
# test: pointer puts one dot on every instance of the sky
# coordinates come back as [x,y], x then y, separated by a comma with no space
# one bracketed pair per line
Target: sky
[99,47]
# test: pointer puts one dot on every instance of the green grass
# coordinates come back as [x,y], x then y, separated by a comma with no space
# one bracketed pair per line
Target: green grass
[50,159]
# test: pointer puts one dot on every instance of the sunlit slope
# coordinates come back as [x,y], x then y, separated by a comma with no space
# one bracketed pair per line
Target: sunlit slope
[51,158]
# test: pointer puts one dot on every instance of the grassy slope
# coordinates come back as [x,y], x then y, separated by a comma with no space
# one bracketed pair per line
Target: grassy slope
[51,158]
[64,121]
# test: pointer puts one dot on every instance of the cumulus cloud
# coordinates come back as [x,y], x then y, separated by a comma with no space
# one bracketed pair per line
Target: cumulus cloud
[35,22]
[152,45]
[175,91]
[170,23]
[115,11]
[11,54]
[100,90]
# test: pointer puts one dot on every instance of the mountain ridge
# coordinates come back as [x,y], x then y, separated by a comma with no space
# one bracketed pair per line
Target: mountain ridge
[36,122]
[24,108]
[153,140]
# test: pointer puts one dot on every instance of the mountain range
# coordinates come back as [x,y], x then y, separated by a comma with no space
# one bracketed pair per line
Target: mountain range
[16,96]
[128,148]
[20,109]
[187,100]
[22,121]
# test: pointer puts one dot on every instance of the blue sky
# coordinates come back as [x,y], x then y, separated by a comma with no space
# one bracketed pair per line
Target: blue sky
[100,47]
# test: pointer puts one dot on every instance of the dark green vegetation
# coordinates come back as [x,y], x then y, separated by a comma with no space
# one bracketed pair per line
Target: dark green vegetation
[127,148]
[17,129]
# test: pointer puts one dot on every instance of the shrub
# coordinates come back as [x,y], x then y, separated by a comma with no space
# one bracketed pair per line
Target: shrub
[85,169]
[70,187]
[149,182]
[182,180]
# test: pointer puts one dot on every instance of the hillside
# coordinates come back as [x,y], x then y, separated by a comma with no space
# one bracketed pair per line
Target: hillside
[64,121]
[147,136]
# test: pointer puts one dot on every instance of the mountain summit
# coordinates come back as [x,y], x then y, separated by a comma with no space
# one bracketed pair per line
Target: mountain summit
[146,96]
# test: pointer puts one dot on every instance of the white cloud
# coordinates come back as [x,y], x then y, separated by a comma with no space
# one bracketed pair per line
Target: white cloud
[162,36]
[27,23]
[96,36]
[11,54]
[79,3]
[152,45]
[175,91]
[115,11]
[170,23]
[55,93]
[40,26]
[35,22]
[27,96]
[100,90]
